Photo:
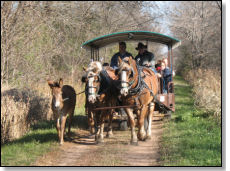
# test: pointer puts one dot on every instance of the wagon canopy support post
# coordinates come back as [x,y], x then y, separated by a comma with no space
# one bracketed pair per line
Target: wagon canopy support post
[170,58]
[172,63]
[94,54]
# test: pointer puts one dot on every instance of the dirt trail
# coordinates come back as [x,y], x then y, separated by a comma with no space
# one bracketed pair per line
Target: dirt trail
[116,151]
[147,152]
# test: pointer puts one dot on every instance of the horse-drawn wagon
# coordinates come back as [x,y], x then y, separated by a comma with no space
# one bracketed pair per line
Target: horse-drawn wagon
[163,102]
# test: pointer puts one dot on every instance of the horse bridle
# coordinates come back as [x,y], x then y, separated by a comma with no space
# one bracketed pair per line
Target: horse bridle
[97,88]
[140,83]
[129,83]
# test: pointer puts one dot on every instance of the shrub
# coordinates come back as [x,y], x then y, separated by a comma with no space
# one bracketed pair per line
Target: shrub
[207,89]
[21,108]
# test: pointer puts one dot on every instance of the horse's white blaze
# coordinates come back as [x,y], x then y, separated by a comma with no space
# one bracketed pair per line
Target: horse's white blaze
[92,95]
[123,79]
[124,84]
[90,84]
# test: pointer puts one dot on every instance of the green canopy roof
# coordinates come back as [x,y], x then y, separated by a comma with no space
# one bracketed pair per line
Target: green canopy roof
[105,40]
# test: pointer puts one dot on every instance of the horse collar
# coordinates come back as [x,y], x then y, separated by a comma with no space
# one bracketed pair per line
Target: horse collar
[139,87]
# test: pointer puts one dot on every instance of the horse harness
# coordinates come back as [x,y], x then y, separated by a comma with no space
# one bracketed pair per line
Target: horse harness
[105,82]
[97,89]
[137,91]
[141,84]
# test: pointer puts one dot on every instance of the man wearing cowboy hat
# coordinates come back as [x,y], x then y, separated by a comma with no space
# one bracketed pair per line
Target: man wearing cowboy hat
[144,57]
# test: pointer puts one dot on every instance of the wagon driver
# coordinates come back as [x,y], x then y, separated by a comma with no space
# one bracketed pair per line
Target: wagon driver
[144,57]
[122,53]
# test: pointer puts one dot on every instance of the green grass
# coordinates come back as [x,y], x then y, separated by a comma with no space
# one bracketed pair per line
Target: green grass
[192,137]
[25,150]
[41,139]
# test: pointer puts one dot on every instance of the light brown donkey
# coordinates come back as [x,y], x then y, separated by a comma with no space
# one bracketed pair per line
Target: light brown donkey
[63,103]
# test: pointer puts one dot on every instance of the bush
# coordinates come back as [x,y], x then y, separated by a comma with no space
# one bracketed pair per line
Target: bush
[207,89]
[21,108]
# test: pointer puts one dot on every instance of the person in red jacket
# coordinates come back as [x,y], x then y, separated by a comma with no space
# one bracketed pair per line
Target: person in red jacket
[158,66]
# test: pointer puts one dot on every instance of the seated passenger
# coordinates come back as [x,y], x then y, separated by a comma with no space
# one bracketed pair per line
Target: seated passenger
[166,76]
[122,53]
[166,63]
[158,66]
[144,57]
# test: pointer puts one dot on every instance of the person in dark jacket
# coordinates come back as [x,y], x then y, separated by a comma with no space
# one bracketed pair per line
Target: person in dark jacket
[144,57]
[122,53]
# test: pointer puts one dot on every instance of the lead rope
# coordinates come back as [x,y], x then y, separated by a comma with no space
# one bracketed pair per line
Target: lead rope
[80,92]
[76,95]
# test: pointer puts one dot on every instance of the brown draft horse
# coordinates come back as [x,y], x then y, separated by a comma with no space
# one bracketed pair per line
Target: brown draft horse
[63,103]
[137,87]
[99,93]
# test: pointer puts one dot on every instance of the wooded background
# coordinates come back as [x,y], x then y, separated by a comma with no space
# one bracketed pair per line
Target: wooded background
[43,39]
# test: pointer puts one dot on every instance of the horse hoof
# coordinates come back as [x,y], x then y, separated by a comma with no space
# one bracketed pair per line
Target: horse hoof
[134,143]
[100,142]
[109,136]
[141,137]
[148,138]
[68,139]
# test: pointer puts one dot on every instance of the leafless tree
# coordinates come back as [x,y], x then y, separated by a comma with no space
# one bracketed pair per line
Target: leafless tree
[44,38]
[198,25]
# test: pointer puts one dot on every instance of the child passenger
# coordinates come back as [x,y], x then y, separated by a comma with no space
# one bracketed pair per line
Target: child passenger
[166,76]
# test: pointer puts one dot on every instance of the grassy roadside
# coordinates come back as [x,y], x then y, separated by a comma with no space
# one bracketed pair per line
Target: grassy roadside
[42,138]
[192,137]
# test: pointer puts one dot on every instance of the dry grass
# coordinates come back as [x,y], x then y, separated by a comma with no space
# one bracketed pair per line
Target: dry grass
[13,118]
[21,108]
[207,90]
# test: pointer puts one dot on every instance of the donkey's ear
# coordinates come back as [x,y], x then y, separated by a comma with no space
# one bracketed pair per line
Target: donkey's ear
[119,60]
[50,83]
[60,82]
[84,68]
